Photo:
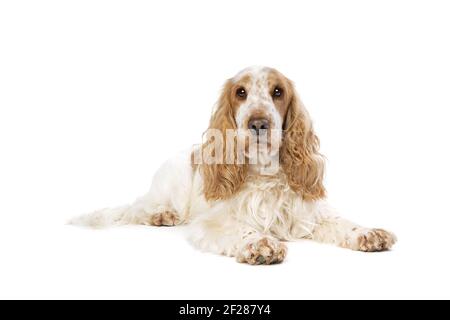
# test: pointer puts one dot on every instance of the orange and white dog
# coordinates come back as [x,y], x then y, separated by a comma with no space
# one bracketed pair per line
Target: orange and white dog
[234,204]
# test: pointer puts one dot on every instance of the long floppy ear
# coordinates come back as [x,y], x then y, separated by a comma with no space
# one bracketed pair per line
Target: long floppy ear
[300,158]
[222,180]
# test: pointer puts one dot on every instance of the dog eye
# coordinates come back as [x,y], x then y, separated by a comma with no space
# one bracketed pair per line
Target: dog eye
[241,93]
[277,92]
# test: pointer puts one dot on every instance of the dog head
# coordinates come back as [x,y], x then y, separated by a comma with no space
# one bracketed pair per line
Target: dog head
[260,110]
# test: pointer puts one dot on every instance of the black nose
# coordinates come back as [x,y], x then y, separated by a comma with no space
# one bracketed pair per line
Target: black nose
[258,125]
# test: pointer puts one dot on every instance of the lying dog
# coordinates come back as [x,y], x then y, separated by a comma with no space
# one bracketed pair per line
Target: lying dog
[254,182]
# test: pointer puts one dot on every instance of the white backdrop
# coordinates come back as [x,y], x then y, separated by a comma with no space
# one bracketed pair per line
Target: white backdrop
[94,95]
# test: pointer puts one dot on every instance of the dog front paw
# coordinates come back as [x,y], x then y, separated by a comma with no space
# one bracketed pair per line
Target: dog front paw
[262,251]
[375,240]
[165,218]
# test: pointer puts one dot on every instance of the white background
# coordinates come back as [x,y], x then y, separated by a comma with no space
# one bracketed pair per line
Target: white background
[94,95]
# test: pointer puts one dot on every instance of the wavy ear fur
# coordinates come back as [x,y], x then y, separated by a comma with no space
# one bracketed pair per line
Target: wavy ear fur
[299,155]
[221,181]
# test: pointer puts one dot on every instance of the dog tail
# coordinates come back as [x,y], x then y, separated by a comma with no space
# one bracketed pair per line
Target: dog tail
[127,214]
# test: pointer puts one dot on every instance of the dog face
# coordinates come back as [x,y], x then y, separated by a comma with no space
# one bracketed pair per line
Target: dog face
[260,94]
[260,99]
[262,104]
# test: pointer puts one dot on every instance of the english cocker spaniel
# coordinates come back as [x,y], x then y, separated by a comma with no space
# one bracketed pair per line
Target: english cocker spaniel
[254,182]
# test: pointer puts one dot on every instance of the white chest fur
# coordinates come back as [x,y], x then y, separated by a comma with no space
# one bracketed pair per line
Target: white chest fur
[266,203]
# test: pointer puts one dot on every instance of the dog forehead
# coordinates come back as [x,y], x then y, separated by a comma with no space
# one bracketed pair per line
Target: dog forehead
[255,73]
[256,78]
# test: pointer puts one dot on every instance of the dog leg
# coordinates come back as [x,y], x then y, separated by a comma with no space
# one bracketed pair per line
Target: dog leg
[166,203]
[221,233]
[346,234]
